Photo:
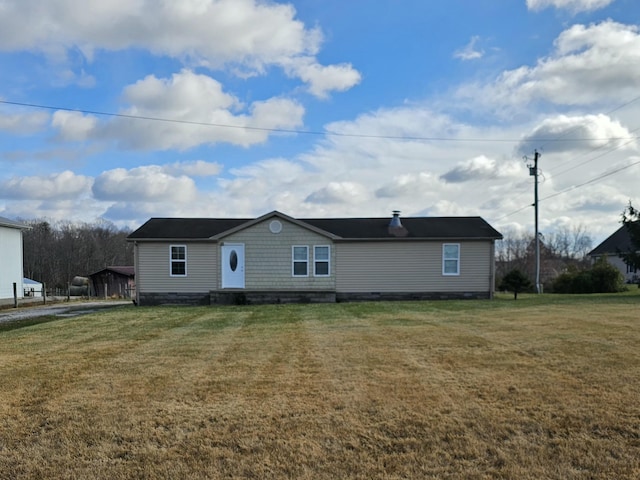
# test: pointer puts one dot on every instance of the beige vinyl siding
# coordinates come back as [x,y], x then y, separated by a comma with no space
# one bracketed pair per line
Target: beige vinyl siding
[268,257]
[153,274]
[411,266]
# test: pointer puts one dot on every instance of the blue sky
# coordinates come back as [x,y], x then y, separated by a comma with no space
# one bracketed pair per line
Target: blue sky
[214,108]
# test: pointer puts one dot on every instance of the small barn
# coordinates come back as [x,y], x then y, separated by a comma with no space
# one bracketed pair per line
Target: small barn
[116,281]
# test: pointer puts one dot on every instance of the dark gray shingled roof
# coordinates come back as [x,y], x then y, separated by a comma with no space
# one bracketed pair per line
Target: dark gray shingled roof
[345,228]
[417,227]
[187,228]
[618,241]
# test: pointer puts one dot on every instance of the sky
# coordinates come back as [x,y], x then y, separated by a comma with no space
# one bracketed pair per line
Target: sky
[131,109]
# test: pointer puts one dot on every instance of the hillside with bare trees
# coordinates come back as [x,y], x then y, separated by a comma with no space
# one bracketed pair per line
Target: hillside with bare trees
[54,253]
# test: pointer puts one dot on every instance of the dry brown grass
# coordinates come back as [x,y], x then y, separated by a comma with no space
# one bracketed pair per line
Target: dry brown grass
[502,389]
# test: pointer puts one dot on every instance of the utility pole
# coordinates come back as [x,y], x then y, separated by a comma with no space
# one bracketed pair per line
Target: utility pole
[533,171]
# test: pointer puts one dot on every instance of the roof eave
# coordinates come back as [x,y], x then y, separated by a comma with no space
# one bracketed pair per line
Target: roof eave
[173,239]
[414,239]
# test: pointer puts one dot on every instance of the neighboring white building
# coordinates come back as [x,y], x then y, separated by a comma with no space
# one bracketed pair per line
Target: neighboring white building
[11,258]
[618,242]
[32,288]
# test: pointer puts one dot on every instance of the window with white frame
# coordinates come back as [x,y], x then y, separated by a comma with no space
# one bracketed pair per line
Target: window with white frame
[451,259]
[178,261]
[300,260]
[321,256]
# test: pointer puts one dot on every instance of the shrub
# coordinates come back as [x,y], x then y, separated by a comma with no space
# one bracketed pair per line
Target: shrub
[606,278]
[602,277]
[515,281]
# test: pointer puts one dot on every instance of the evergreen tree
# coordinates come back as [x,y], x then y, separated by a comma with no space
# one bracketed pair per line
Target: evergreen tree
[515,281]
[631,220]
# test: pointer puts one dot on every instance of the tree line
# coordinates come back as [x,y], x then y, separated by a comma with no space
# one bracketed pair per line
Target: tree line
[56,252]
[562,250]
[564,265]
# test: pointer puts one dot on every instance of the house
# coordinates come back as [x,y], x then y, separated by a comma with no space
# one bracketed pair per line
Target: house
[618,242]
[113,281]
[11,258]
[276,258]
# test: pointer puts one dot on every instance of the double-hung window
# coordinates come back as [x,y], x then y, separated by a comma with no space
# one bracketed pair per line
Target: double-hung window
[300,261]
[178,261]
[451,259]
[321,256]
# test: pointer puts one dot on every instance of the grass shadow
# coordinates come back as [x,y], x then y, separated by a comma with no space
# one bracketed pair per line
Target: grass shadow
[26,322]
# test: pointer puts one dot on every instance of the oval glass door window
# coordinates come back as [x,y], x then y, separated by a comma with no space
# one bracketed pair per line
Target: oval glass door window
[233,260]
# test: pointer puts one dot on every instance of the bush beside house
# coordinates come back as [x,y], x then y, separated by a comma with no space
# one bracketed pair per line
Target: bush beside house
[602,277]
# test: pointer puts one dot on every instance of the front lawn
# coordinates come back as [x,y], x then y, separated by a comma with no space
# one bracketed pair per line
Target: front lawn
[542,387]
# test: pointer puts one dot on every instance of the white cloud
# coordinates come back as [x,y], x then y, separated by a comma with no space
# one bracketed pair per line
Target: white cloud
[196,168]
[470,51]
[323,79]
[369,176]
[408,184]
[447,208]
[601,199]
[483,168]
[564,133]
[248,35]
[594,64]
[74,126]
[22,123]
[143,184]
[339,193]
[574,6]
[198,112]
[58,186]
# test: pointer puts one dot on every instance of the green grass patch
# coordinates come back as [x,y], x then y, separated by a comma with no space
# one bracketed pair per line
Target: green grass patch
[542,387]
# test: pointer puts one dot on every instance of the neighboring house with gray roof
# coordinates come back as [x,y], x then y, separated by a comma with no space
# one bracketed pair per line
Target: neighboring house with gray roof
[618,242]
[11,258]
[277,258]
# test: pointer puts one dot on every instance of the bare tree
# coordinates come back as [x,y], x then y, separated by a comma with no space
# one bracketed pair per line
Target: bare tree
[570,243]
[560,250]
[55,253]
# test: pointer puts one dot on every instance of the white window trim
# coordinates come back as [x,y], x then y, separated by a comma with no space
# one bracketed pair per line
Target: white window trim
[449,274]
[172,260]
[294,261]
[328,260]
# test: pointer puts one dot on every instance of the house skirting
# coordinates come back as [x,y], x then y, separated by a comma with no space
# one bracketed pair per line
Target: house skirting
[259,297]
[391,296]
[172,298]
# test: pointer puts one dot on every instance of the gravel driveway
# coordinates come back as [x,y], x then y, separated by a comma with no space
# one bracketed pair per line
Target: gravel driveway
[58,309]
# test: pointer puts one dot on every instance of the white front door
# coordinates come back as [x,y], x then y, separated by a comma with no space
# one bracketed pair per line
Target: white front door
[233,266]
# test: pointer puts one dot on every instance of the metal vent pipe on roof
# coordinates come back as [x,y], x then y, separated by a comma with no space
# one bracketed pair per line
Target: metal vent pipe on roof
[395,220]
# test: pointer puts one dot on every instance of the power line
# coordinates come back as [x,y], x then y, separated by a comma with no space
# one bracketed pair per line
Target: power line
[593,180]
[305,132]
[617,147]
[571,130]
[573,187]
[560,137]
